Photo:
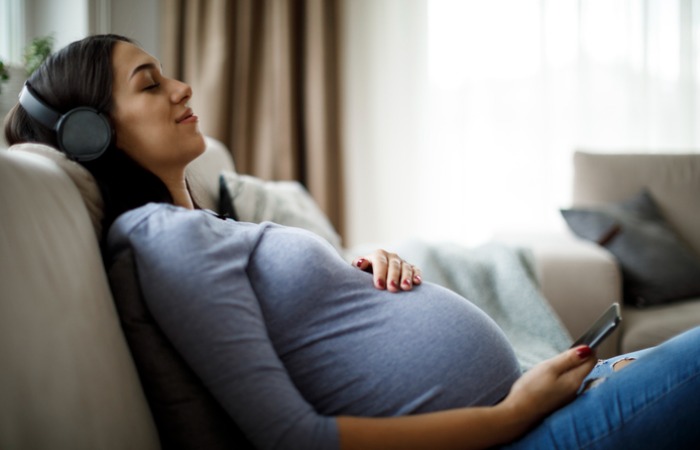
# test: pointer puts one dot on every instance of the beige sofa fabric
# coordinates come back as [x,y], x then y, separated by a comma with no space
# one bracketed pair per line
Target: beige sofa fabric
[674,182]
[201,174]
[647,327]
[67,378]
[83,180]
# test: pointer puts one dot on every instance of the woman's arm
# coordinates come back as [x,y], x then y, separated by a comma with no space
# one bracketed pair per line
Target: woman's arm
[541,391]
[389,271]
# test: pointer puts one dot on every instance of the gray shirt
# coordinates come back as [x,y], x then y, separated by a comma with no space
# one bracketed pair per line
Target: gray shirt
[286,334]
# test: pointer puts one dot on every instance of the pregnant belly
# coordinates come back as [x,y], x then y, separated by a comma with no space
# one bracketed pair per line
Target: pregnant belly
[352,349]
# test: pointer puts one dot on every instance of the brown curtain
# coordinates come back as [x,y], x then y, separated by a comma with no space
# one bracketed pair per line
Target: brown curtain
[265,76]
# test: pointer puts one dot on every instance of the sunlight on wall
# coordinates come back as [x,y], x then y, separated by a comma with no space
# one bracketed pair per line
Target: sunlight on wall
[513,94]
[475,40]
[384,113]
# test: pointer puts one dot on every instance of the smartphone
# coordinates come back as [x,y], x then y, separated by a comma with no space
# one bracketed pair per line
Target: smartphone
[602,328]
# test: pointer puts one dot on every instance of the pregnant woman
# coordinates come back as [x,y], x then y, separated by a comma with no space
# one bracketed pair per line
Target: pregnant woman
[303,350]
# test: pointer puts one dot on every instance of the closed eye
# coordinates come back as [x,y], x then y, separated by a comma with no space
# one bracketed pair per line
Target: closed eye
[151,87]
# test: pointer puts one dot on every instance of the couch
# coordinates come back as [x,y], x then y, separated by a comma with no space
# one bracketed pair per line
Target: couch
[68,379]
[579,272]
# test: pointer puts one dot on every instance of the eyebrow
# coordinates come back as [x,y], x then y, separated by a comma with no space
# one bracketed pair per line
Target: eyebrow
[142,67]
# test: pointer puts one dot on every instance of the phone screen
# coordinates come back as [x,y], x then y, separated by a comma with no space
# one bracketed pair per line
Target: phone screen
[601,328]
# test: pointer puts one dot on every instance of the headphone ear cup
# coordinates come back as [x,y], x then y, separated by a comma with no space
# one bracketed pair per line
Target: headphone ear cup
[84,134]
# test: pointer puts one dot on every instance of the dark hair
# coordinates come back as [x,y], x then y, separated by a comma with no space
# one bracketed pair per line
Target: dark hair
[80,74]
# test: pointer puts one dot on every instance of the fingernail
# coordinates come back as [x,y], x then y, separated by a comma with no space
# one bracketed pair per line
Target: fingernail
[407,283]
[418,279]
[394,284]
[584,352]
[381,283]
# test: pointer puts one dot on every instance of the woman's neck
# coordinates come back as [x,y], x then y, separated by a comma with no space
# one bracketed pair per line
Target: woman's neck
[179,192]
[181,197]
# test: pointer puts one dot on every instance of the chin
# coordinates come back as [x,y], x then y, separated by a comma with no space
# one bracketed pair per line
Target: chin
[196,147]
[202,144]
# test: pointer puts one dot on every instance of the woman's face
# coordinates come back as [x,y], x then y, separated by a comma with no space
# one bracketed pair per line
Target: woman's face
[152,121]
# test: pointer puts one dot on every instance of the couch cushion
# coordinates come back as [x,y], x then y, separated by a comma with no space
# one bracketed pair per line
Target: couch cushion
[657,266]
[283,202]
[651,326]
[203,173]
[672,179]
[186,414]
[67,379]
[79,175]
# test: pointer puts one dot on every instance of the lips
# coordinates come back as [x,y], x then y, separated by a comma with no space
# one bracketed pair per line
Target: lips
[185,116]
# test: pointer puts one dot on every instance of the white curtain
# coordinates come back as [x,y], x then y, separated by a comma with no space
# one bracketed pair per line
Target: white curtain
[462,115]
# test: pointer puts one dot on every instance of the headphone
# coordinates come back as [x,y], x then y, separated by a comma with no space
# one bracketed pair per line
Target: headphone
[83,133]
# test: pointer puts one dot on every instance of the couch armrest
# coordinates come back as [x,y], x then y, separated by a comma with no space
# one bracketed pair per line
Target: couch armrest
[578,278]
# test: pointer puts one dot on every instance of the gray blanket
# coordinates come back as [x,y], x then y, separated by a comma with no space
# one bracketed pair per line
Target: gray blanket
[500,280]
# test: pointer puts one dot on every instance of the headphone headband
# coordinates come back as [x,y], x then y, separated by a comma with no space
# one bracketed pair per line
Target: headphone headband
[39,110]
[82,133]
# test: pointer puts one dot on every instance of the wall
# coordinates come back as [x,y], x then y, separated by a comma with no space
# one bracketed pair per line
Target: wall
[139,20]
[70,20]
[66,20]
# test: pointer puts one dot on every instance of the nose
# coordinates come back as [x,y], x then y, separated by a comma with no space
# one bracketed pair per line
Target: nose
[181,92]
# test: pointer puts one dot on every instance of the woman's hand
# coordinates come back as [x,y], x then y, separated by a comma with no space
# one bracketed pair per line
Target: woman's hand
[549,385]
[390,271]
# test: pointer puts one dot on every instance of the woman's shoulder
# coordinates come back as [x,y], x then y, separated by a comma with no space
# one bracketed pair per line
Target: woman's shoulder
[162,214]
[167,223]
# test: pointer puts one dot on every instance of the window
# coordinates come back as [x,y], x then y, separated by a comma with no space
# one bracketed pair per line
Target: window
[475,107]
[12,30]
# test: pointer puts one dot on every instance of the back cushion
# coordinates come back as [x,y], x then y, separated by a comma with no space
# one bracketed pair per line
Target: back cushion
[672,179]
[67,378]
[203,173]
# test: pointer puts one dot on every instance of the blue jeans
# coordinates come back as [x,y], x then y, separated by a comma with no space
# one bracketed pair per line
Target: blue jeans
[654,403]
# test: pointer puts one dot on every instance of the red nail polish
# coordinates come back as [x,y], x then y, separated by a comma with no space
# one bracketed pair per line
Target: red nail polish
[407,283]
[360,262]
[381,283]
[394,284]
[418,278]
[584,352]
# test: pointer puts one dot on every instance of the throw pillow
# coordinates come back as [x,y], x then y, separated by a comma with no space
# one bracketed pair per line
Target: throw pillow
[226,207]
[250,199]
[186,415]
[657,267]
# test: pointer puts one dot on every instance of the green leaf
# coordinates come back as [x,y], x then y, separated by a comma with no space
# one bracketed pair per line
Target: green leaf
[36,52]
[4,72]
